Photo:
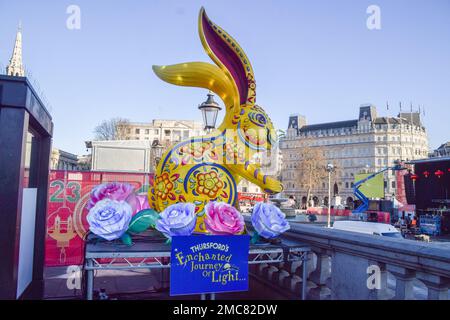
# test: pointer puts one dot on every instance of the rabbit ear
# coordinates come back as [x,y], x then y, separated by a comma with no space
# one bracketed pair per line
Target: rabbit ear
[201,75]
[229,56]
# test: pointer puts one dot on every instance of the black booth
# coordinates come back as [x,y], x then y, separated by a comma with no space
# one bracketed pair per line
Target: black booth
[429,189]
[25,143]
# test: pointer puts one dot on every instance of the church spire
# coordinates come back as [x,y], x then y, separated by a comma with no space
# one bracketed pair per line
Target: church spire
[15,66]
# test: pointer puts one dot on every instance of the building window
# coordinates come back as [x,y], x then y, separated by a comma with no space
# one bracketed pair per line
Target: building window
[393,184]
[167,132]
[138,131]
[147,131]
[156,131]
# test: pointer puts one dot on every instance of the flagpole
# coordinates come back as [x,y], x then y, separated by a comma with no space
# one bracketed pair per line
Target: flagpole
[401,138]
[387,142]
[411,114]
[387,117]
[387,131]
[412,128]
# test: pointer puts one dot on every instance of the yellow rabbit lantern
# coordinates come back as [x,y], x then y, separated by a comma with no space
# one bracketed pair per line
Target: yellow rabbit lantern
[208,168]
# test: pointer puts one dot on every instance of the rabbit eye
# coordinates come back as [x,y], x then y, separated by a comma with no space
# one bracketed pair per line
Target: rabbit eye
[257,118]
[261,119]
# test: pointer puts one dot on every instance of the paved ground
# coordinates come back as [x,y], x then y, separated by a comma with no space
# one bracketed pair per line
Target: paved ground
[141,284]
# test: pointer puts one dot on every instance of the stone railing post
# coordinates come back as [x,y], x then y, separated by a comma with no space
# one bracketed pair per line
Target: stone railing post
[361,266]
[287,278]
[437,286]
[382,292]
[349,277]
[404,287]
[320,276]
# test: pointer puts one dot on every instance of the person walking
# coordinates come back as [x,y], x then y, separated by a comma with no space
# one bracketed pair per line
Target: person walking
[291,202]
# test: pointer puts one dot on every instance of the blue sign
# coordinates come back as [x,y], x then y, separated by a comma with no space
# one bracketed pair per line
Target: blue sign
[208,264]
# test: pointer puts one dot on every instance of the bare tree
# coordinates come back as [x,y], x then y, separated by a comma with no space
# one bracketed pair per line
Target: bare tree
[113,129]
[310,169]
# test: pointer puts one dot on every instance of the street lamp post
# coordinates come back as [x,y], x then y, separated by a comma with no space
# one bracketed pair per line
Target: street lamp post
[330,169]
[157,150]
[209,110]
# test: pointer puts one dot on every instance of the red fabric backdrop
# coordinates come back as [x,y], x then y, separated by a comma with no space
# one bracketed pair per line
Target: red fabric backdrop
[66,214]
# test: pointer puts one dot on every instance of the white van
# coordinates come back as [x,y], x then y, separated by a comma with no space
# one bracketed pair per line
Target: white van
[374,228]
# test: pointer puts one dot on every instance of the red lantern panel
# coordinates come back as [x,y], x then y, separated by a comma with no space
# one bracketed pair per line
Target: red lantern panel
[439,173]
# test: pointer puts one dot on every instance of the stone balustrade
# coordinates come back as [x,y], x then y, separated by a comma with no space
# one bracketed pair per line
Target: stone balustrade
[348,265]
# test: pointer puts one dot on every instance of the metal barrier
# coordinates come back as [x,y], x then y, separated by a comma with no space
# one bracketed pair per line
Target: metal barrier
[430,225]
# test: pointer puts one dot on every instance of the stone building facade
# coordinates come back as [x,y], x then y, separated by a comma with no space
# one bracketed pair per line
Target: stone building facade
[63,160]
[442,151]
[166,132]
[366,144]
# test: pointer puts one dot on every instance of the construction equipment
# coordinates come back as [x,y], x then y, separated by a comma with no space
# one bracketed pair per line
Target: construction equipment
[358,193]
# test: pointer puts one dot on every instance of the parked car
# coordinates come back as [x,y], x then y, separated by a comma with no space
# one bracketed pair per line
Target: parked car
[374,228]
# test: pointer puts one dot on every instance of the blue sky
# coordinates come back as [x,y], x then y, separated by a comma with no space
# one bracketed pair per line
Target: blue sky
[315,58]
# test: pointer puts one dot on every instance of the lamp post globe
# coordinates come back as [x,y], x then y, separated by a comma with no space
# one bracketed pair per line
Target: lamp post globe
[210,110]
